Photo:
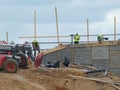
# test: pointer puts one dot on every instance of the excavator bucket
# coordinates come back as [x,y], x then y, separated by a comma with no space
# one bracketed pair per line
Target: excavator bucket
[38,60]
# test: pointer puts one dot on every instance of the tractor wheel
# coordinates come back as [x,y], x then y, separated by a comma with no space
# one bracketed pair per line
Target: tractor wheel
[24,61]
[11,66]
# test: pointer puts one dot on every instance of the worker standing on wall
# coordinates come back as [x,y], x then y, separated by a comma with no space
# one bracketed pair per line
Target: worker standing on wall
[100,39]
[76,38]
[35,46]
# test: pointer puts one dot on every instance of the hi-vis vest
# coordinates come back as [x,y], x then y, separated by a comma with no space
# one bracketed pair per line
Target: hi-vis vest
[35,44]
[76,38]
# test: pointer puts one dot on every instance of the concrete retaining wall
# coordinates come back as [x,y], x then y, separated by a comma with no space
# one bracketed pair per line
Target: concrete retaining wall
[102,57]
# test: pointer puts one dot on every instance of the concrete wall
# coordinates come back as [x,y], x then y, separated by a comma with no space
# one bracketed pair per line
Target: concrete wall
[102,57]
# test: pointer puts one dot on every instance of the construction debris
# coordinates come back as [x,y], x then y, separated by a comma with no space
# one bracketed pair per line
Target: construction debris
[45,78]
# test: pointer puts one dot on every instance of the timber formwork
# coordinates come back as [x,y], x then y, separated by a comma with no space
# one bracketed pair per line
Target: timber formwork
[102,56]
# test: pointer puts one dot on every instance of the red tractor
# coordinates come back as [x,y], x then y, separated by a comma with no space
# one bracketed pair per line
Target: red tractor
[13,57]
[8,63]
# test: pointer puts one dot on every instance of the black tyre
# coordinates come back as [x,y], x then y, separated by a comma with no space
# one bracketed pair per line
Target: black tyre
[11,66]
[24,61]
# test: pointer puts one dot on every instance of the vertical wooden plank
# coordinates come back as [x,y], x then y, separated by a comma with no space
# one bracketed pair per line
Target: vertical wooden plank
[87,30]
[7,37]
[57,24]
[115,29]
[109,57]
[35,24]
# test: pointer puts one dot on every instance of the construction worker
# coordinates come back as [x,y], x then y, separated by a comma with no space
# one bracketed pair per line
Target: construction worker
[25,44]
[76,38]
[100,38]
[36,47]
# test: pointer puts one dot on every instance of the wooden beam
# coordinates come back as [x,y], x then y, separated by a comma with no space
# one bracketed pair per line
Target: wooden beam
[87,30]
[115,29]
[43,36]
[35,24]
[95,79]
[7,37]
[115,86]
[65,36]
[57,24]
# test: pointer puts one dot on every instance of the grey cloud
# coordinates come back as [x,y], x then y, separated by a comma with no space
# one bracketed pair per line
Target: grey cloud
[31,2]
[81,9]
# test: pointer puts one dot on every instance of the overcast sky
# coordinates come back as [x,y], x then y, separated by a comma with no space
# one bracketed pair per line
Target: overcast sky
[17,18]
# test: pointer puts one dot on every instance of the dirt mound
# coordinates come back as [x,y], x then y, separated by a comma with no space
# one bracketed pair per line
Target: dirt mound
[50,79]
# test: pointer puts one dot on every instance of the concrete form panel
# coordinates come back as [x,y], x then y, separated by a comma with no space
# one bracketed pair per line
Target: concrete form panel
[52,57]
[82,56]
[115,48]
[64,53]
[115,71]
[115,64]
[101,63]
[102,57]
[114,55]
[114,59]
[100,52]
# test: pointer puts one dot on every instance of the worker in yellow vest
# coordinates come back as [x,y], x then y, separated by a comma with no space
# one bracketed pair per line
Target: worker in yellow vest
[35,45]
[76,38]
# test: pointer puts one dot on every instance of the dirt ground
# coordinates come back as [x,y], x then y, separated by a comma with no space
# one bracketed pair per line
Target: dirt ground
[53,79]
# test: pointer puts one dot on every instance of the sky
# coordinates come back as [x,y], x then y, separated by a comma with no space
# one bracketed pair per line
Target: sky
[17,18]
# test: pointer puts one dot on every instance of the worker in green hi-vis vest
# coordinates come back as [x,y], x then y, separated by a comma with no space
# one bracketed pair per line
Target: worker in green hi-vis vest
[76,38]
[35,45]
[100,39]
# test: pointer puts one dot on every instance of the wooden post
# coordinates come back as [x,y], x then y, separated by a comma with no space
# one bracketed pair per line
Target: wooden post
[115,29]
[35,30]
[35,24]
[7,37]
[57,24]
[87,30]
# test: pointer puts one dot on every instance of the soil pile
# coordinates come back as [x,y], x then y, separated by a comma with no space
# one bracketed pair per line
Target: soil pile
[52,79]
